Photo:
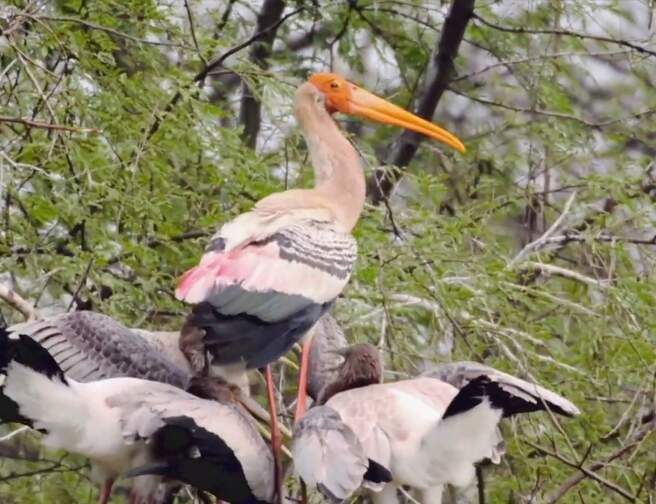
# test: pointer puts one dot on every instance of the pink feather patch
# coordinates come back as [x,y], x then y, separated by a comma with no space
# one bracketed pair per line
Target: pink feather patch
[218,271]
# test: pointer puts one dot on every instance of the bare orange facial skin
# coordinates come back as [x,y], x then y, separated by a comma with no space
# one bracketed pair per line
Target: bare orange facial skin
[336,89]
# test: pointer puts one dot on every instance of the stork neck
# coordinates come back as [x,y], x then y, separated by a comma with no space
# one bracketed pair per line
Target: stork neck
[337,166]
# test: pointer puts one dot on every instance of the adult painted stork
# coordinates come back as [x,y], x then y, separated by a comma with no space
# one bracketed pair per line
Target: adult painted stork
[268,275]
[137,426]
[426,432]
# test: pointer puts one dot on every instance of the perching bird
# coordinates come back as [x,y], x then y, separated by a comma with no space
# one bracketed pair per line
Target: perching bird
[268,275]
[324,361]
[90,346]
[426,432]
[139,427]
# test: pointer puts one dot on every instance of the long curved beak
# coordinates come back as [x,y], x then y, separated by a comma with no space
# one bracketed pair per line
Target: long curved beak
[368,105]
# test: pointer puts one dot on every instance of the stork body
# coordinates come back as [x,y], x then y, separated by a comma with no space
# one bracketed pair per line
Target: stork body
[268,275]
[426,432]
[128,423]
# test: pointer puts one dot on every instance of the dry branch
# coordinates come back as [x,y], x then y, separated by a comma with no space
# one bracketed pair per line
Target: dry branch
[49,126]
[567,33]
[17,302]
[591,470]
[438,76]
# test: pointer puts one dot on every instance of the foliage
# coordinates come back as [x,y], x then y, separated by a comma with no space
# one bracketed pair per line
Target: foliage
[552,99]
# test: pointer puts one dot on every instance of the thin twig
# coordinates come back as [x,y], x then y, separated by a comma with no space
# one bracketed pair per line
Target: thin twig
[14,433]
[192,29]
[566,33]
[589,472]
[538,243]
[564,272]
[109,30]
[49,126]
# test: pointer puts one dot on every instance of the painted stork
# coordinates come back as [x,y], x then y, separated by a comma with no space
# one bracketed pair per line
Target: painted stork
[137,427]
[425,432]
[268,275]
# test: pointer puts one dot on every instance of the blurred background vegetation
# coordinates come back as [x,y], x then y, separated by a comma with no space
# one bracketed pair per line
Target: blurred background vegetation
[129,130]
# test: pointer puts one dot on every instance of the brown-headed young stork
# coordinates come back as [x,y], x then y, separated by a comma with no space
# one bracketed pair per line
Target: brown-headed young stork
[424,431]
[268,275]
[134,427]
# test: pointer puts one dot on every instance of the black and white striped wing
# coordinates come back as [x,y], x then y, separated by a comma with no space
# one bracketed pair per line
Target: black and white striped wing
[91,346]
[255,302]
[210,445]
[504,391]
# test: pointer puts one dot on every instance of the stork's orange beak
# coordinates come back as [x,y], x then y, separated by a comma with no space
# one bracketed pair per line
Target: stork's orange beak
[343,96]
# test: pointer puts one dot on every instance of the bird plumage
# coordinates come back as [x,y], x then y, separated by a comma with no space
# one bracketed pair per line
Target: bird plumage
[111,421]
[425,431]
[91,346]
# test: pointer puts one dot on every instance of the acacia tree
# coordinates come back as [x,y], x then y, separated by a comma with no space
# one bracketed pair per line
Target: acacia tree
[130,130]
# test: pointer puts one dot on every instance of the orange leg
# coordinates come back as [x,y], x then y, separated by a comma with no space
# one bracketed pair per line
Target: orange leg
[302,380]
[106,491]
[276,437]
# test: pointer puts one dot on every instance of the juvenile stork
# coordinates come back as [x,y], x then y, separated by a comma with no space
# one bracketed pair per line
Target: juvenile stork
[424,431]
[268,275]
[91,346]
[134,427]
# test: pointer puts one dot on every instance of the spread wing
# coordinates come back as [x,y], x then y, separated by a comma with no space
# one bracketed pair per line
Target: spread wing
[508,392]
[90,346]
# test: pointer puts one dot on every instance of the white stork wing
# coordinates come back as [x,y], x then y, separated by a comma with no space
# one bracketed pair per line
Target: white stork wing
[90,346]
[507,392]
[327,454]
[208,444]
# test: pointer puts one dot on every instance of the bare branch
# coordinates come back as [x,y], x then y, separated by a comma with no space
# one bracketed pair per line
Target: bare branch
[192,29]
[14,300]
[540,242]
[49,126]
[590,471]
[567,33]
[437,79]
[109,30]
[552,113]
[552,269]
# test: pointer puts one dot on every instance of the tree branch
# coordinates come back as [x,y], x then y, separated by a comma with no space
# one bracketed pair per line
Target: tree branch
[566,33]
[437,79]
[250,112]
[17,302]
[214,63]
[49,126]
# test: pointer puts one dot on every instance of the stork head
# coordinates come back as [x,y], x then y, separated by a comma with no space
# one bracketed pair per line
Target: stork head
[343,96]
[362,366]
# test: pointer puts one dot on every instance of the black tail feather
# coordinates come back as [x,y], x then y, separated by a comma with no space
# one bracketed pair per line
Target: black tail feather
[191,454]
[245,338]
[510,400]
[23,350]
[377,473]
